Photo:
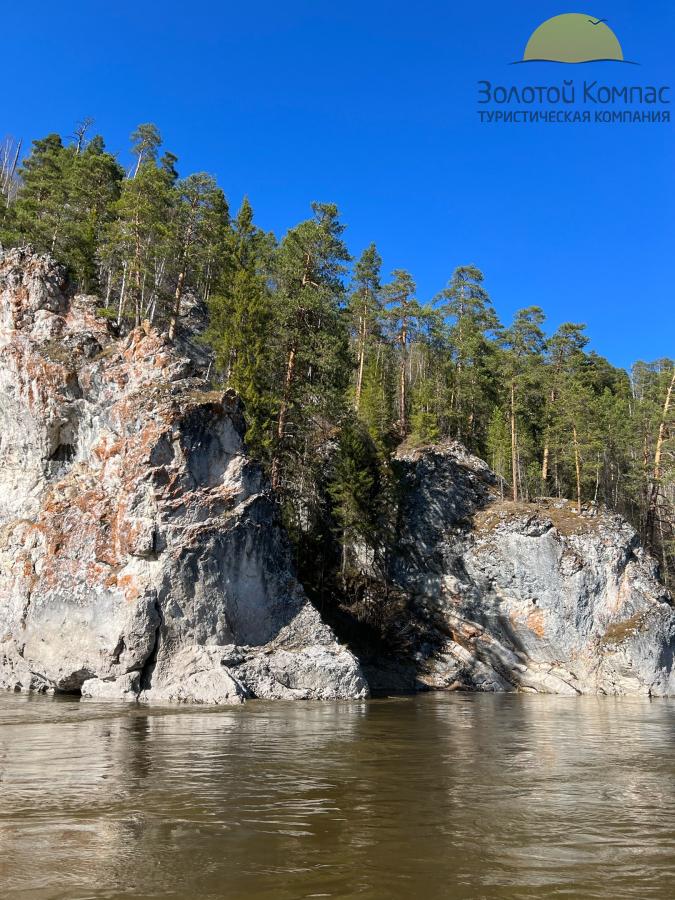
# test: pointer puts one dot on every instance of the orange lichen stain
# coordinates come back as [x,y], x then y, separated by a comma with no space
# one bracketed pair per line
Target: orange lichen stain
[128,584]
[622,595]
[106,449]
[535,622]
[130,535]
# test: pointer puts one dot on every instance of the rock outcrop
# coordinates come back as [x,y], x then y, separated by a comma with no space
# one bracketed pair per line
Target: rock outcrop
[140,556]
[525,596]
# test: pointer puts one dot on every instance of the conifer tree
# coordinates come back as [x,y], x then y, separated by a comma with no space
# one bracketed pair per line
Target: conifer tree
[42,206]
[200,224]
[564,349]
[244,328]
[467,304]
[138,241]
[356,491]
[524,343]
[365,308]
[310,264]
[406,317]
[378,396]
[93,189]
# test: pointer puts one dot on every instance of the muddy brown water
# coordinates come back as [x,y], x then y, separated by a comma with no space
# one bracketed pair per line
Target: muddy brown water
[441,795]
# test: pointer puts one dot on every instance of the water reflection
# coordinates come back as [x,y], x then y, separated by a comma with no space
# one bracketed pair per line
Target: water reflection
[437,796]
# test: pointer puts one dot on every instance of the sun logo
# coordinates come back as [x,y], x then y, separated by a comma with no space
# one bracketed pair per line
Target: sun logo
[573,38]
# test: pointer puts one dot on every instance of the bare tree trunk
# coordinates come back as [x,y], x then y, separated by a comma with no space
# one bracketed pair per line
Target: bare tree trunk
[137,267]
[108,287]
[120,306]
[577,466]
[8,172]
[173,324]
[283,414]
[544,467]
[362,356]
[656,474]
[514,444]
[547,440]
[402,378]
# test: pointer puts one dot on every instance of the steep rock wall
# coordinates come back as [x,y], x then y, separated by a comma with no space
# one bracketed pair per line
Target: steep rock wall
[140,556]
[527,596]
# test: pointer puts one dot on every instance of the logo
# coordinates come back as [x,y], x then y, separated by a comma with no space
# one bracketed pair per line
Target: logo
[573,38]
[535,96]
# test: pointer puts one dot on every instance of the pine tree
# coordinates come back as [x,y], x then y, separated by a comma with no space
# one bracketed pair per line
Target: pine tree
[93,189]
[310,264]
[423,419]
[406,317]
[42,206]
[563,349]
[200,224]
[244,328]
[524,344]
[365,310]
[378,396]
[145,143]
[467,304]
[138,241]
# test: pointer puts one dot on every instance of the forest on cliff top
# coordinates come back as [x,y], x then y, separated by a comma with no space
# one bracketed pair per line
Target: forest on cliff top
[338,363]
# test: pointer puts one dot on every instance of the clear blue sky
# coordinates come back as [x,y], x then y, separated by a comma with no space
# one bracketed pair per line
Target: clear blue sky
[372,105]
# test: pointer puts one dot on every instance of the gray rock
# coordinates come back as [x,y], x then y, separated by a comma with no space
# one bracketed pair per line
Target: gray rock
[140,555]
[518,596]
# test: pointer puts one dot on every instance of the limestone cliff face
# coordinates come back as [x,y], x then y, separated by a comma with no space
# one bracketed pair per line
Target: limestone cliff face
[526,596]
[139,551]
[140,556]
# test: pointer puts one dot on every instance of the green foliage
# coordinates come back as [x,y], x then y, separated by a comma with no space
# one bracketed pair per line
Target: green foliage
[65,202]
[356,491]
[336,369]
[243,329]
[312,336]
[424,420]
[468,307]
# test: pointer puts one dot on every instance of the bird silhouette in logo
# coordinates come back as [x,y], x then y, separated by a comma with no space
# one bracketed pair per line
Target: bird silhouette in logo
[574,38]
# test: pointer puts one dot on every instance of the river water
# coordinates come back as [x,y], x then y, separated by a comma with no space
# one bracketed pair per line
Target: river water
[440,795]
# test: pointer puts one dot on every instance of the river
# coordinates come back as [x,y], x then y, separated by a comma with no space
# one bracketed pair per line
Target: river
[440,795]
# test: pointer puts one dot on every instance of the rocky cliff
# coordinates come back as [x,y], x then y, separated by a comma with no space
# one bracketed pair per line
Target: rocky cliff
[537,597]
[140,555]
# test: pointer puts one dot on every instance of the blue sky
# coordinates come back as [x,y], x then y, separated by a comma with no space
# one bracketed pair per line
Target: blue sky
[373,105]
